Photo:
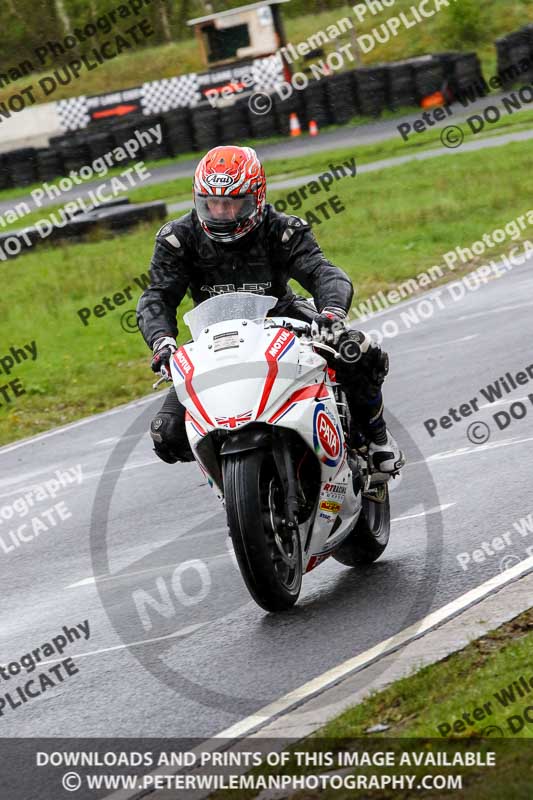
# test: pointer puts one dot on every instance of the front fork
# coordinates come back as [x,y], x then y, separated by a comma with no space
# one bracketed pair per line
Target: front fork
[285,467]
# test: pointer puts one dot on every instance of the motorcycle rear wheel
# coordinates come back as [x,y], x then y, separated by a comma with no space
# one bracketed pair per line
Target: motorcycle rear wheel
[370,535]
[269,557]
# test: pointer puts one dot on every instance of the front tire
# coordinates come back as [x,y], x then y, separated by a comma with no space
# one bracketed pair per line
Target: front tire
[370,535]
[269,556]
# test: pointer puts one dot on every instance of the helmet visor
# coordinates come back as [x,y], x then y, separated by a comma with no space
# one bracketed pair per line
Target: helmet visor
[230,211]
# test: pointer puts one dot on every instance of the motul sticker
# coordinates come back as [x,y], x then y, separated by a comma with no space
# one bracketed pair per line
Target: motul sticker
[182,362]
[330,505]
[281,344]
[326,437]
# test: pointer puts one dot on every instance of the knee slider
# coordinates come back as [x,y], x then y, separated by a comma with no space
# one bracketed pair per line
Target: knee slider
[170,439]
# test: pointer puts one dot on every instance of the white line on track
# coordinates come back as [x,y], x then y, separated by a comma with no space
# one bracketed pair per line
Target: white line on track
[436,345]
[428,513]
[159,568]
[467,451]
[290,701]
[176,635]
[332,676]
[504,402]
[72,425]
[93,580]
[499,310]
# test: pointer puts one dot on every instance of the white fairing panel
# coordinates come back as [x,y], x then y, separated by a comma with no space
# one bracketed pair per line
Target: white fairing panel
[240,371]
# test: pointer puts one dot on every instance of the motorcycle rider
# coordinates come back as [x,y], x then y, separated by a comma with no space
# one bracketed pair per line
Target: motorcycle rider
[234,241]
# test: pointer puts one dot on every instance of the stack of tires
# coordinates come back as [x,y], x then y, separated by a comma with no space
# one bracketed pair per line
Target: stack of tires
[315,102]
[22,167]
[123,131]
[371,83]
[5,178]
[49,163]
[72,150]
[151,151]
[235,121]
[341,97]
[177,131]
[283,110]
[463,73]
[205,126]
[429,77]
[401,91]
[261,126]
[514,50]
[100,144]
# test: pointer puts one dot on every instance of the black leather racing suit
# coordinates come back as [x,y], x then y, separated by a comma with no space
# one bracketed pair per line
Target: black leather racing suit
[280,248]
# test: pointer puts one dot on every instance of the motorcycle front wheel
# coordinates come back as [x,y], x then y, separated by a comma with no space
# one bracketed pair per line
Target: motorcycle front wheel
[268,554]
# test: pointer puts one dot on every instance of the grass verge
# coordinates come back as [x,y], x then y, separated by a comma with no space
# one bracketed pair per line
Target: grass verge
[396,224]
[481,676]
[179,189]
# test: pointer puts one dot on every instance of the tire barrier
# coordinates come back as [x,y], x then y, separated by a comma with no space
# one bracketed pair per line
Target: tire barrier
[371,83]
[334,99]
[316,103]
[116,216]
[177,132]
[49,163]
[513,49]
[22,166]
[341,93]
[205,125]
[236,124]
[401,92]
[283,108]
[5,178]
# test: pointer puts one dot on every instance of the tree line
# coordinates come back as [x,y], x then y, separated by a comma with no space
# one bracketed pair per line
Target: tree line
[27,24]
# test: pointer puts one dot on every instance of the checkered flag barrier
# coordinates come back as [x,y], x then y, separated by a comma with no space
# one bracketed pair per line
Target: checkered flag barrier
[160,96]
[267,73]
[73,113]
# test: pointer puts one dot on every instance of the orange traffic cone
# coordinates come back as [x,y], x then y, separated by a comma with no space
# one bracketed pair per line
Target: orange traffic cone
[295,125]
[313,128]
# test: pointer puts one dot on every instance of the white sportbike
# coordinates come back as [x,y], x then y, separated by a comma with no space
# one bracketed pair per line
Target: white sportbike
[268,427]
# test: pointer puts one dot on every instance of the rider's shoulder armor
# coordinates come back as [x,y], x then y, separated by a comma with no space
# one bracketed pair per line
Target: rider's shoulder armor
[174,234]
[288,225]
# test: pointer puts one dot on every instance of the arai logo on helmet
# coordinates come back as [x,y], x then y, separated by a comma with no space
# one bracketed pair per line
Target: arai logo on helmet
[218,181]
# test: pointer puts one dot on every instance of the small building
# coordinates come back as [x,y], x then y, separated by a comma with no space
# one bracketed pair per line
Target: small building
[240,34]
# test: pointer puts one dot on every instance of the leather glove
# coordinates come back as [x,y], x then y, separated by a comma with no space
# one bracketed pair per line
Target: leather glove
[163,349]
[328,326]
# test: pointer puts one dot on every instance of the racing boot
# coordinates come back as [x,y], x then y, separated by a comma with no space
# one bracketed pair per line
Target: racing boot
[384,454]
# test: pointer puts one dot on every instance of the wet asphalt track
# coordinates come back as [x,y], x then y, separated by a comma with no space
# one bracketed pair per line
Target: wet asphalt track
[144,538]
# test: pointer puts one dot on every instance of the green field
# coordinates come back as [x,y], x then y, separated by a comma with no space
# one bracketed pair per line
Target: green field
[397,223]
[436,34]
[179,190]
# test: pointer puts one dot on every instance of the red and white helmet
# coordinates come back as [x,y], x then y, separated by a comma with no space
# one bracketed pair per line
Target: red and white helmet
[229,192]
